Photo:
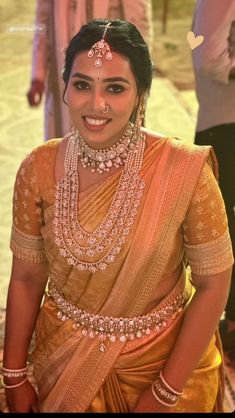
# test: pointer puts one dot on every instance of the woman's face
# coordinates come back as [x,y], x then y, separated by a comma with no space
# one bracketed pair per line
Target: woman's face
[90,89]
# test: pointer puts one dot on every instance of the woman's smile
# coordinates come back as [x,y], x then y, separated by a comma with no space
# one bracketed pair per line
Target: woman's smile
[95,123]
[101,100]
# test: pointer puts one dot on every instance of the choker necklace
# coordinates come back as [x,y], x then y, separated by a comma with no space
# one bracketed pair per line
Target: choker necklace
[95,250]
[104,159]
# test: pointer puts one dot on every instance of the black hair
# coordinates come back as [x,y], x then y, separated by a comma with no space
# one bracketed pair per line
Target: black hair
[124,38]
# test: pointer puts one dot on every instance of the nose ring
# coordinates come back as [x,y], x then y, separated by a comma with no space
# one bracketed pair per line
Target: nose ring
[105,108]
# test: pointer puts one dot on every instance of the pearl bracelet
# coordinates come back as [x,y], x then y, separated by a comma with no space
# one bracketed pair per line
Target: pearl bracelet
[164,393]
[160,400]
[14,386]
[13,372]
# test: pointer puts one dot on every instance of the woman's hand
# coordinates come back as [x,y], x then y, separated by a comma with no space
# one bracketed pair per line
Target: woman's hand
[147,403]
[22,398]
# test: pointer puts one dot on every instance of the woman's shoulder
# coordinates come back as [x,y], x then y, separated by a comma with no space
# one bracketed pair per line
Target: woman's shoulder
[51,146]
[185,149]
[41,158]
[43,152]
[153,137]
[174,142]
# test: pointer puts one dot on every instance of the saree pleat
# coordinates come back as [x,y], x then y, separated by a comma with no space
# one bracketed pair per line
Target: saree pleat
[73,375]
[110,397]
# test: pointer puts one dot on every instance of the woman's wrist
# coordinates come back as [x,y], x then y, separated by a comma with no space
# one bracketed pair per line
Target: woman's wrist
[165,393]
[14,384]
[14,376]
[168,386]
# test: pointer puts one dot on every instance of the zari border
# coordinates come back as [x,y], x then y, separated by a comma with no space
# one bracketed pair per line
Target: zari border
[28,248]
[211,257]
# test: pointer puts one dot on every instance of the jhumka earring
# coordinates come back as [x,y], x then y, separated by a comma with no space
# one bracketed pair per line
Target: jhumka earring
[100,49]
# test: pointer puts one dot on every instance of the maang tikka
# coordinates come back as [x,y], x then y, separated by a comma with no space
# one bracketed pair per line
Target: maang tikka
[100,49]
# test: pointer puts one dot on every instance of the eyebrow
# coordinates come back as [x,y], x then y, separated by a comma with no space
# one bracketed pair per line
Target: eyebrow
[106,80]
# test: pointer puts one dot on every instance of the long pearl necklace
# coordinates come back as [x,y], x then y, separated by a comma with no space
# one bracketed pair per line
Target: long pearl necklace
[103,159]
[95,251]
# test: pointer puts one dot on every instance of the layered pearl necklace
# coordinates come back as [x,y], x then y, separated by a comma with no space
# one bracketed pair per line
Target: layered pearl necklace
[95,251]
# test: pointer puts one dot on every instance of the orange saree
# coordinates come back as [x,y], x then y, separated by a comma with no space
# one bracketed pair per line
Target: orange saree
[75,370]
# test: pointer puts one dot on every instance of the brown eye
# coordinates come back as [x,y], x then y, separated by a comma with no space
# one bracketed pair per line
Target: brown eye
[116,88]
[81,85]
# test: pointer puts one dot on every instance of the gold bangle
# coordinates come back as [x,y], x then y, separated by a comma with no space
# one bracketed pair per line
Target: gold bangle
[14,386]
[171,389]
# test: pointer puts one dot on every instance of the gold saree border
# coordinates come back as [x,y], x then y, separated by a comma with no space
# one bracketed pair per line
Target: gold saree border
[176,177]
[208,252]
[28,248]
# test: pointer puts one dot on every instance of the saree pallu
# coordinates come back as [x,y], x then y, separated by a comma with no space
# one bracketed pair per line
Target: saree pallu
[73,375]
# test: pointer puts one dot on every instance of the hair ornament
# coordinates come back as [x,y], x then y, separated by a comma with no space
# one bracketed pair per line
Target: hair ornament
[100,49]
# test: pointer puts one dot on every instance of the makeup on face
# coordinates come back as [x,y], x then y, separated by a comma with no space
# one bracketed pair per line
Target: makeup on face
[91,90]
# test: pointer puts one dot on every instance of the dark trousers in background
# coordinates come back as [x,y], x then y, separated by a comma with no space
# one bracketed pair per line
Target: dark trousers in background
[222,138]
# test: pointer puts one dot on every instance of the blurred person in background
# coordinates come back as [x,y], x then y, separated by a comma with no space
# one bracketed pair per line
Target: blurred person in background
[61,20]
[214,68]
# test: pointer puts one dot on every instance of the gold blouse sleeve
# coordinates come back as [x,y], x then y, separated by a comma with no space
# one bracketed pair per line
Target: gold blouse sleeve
[205,229]
[26,240]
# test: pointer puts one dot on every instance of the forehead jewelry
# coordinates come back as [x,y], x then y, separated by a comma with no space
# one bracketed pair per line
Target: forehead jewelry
[100,49]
